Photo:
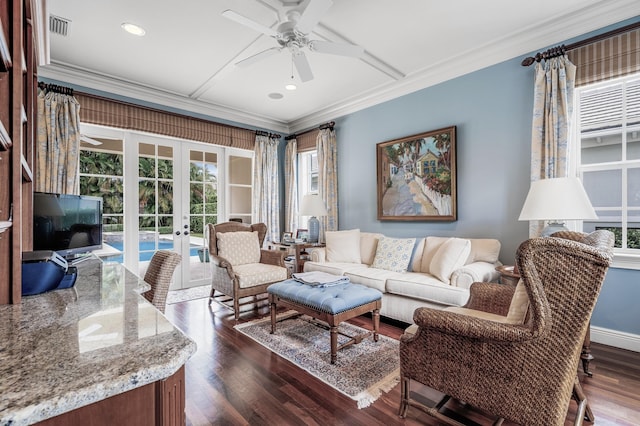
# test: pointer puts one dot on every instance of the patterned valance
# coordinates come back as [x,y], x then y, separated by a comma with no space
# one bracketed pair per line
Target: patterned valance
[123,115]
[609,58]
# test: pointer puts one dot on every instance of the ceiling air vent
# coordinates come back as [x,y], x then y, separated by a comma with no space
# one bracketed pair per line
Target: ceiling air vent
[58,25]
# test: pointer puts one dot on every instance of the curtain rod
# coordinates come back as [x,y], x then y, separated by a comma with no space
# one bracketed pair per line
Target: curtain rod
[267,134]
[328,125]
[55,88]
[562,49]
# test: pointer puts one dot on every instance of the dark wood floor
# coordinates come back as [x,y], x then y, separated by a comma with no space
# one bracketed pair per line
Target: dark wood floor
[232,380]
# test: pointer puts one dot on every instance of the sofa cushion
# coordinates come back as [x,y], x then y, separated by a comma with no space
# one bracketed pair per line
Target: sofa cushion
[368,246]
[483,250]
[451,255]
[393,254]
[239,248]
[371,277]
[426,287]
[477,314]
[343,246]
[335,268]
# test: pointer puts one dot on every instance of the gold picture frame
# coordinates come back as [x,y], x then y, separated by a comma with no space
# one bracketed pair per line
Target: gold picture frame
[417,177]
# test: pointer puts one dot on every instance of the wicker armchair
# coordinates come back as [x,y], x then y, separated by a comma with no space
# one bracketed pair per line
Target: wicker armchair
[158,275]
[526,372]
[240,267]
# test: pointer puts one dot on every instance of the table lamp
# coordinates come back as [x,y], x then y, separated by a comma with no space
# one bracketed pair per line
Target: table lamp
[556,200]
[312,205]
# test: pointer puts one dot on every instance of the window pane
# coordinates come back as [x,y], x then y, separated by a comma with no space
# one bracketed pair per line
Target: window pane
[100,163]
[633,187]
[165,169]
[147,167]
[601,149]
[210,199]
[196,205]
[633,145]
[604,188]
[147,223]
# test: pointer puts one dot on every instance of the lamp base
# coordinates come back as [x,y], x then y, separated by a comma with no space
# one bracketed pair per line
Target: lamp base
[553,227]
[314,229]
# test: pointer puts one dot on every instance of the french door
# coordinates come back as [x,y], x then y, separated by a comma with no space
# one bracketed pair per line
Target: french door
[159,193]
[178,194]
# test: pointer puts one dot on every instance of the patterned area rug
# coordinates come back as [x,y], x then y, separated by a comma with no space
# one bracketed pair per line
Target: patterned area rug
[362,372]
[177,296]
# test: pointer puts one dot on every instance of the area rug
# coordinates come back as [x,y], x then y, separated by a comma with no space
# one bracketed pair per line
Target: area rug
[177,296]
[362,372]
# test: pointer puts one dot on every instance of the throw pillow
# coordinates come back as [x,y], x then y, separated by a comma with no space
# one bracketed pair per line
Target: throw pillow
[519,305]
[450,256]
[393,254]
[431,246]
[343,246]
[484,250]
[239,248]
[368,246]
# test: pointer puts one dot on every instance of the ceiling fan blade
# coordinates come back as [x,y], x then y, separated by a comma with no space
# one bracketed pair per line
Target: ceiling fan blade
[234,16]
[258,57]
[89,140]
[302,66]
[336,48]
[311,16]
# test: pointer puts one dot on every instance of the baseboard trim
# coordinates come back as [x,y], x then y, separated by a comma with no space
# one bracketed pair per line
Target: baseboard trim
[618,339]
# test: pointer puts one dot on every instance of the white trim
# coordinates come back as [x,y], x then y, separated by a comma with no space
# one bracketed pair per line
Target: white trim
[618,339]
[626,261]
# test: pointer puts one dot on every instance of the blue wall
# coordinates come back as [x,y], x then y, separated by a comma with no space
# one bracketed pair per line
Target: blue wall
[492,110]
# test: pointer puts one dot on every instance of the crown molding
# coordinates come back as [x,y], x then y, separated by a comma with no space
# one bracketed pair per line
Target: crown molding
[594,15]
[85,78]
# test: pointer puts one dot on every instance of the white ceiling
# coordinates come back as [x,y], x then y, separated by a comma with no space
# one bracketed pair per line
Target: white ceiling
[187,58]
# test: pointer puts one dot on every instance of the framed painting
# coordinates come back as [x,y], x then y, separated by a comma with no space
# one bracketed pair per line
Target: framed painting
[417,177]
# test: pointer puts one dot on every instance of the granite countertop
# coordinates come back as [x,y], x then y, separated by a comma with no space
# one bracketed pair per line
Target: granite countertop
[68,348]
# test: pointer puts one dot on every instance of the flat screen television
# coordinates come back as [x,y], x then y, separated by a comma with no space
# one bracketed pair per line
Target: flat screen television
[67,224]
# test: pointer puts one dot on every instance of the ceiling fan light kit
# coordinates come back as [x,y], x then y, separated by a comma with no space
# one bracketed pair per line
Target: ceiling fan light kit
[293,33]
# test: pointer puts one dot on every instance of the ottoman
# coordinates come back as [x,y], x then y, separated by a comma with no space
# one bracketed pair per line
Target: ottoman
[330,304]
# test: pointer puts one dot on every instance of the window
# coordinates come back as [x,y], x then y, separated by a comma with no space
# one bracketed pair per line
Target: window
[307,179]
[609,157]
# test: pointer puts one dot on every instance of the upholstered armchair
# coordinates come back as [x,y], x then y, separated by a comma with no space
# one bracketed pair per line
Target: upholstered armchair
[513,352]
[240,267]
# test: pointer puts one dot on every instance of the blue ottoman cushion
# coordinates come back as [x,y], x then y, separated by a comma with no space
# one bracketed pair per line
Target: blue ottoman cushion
[333,299]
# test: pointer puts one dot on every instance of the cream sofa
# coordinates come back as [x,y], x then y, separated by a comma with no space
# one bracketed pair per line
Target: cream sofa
[410,272]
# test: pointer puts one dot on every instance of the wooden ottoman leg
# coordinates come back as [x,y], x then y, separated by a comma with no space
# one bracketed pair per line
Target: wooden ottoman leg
[272,309]
[376,323]
[334,343]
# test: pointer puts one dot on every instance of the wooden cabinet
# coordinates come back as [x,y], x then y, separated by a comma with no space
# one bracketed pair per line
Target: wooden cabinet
[18,80]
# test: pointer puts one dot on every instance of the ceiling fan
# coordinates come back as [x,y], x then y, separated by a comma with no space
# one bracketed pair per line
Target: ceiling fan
[293,33]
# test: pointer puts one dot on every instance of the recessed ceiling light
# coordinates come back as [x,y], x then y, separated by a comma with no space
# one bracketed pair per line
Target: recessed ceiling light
[133,29]
[291,86]
[276,95]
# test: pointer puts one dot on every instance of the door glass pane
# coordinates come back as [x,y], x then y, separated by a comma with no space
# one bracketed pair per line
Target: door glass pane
[101,175]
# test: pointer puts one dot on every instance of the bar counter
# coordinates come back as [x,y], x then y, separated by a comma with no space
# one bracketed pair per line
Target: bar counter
[72,348]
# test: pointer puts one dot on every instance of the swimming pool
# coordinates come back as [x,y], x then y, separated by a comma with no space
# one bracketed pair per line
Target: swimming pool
[147,248]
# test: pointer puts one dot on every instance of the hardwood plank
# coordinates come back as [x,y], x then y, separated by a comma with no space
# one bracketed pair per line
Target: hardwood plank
[233,380]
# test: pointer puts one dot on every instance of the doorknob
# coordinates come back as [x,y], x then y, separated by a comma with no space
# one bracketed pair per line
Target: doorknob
[177,232]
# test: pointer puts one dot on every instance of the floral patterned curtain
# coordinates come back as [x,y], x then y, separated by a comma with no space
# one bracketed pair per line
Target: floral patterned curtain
[291,186]
[552,110]
[327,147]
[266,200]
[57,147]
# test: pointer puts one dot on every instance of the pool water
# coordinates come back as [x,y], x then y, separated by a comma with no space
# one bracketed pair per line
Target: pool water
[147,249]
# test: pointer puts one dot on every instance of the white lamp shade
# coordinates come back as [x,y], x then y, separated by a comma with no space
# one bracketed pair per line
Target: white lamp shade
[557,199]
[312,205]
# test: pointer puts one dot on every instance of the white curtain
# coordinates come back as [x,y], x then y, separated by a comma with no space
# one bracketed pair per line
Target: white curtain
[552,109]
[291,186]
[57,147]
[327,147]
[266,200]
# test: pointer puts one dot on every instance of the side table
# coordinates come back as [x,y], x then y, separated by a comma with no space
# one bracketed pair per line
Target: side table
[508,275]
[298,251]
